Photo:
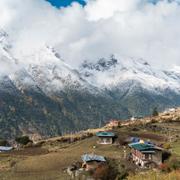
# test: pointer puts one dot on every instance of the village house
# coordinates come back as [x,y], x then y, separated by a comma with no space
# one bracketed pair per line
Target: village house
[106,137]
[91,161]
[144,154]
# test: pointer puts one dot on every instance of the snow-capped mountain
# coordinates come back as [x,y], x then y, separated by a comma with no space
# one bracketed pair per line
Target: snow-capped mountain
[53,74]
[44,68]
[113,73]
[7,62]
[43,93]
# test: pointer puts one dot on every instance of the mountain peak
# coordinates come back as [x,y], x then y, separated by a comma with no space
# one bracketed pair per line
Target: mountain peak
[3,35]
[102,64]
[4,41]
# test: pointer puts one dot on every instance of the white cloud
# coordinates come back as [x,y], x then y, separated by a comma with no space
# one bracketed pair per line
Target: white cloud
[103,9]
[124,27]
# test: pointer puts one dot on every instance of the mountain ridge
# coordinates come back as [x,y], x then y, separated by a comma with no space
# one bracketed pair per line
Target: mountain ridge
[45,93]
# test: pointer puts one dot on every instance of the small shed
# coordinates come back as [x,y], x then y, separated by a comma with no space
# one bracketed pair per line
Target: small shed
[143,154]
[91,161]
[106,137]
[4,148]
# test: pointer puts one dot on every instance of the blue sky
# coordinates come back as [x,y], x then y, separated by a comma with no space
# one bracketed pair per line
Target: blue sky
[64,3]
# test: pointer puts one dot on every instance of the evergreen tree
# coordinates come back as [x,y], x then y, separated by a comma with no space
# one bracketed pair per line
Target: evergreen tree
[23,140]
[3,142]
[155,112]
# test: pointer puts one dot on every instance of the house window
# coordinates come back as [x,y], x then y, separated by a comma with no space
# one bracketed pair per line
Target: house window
[147,156]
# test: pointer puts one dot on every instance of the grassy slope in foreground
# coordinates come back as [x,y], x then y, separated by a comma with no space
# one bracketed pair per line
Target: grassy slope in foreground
[50,160]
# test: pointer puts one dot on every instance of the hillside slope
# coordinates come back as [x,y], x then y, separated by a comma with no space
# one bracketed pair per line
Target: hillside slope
[42,94]
[52,157]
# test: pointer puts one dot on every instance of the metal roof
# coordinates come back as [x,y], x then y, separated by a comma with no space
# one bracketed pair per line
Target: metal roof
[92,157]
[142,146]
[4,148]
[105,134]
[148,152]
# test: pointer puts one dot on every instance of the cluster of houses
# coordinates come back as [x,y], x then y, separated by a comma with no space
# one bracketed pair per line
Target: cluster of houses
[142,153]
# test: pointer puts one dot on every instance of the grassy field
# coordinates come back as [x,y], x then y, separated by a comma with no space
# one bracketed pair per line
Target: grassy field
[175,175]
[52,165]
[176,148]
[50,161]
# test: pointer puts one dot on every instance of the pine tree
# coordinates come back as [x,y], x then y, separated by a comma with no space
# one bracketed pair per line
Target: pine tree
[155,112]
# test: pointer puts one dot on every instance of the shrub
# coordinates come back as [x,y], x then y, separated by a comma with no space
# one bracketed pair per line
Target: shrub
[164,167]
[174,163]
[155,112]
[171,165]
[24,140]
[12,163]
[135,129]
[123,140]
[165,155]
[3,142]
[117,170]
[102,172]
[166,146]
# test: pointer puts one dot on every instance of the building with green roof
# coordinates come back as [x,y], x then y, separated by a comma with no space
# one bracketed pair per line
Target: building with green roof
[144,154]
[106,137]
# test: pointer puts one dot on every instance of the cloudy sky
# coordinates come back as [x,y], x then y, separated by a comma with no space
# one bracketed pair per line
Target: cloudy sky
[148,29]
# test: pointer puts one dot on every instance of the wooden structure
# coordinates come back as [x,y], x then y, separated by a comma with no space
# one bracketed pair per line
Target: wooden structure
[105,137]
[91,161]
[143,154]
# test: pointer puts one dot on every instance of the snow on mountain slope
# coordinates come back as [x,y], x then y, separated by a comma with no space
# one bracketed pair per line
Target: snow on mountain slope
[44,92]
[7,62]
[113,73]
[52,74]
[174,73]
[46,70]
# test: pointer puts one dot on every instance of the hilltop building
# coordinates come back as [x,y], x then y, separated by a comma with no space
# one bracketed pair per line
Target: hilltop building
[144,154]
[106,137]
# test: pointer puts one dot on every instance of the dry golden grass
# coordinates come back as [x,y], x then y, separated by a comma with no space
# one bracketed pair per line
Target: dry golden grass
[153,175]
[52,165]
[40,165]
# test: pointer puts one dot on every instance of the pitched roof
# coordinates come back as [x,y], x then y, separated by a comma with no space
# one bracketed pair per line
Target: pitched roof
[4,148]
[92,157]
[105,134]
[142,146]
